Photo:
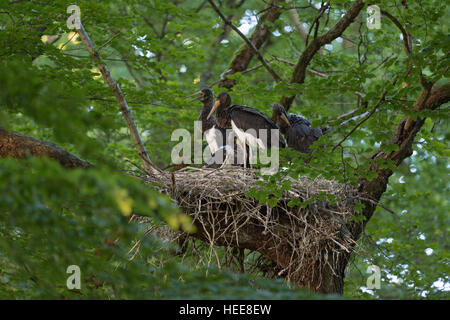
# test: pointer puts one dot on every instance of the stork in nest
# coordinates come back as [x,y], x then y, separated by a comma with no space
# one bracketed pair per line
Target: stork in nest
[246,123]
[297,130]
[219,138]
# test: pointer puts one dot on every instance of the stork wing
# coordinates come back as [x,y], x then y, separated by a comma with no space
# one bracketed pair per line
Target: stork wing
[246,118]
[295,119]
[207,123]
[300,136]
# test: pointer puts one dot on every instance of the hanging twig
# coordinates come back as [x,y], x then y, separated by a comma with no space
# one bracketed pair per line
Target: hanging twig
[316,22]
[377,204]
[108,41]
[104,59]
[312,71]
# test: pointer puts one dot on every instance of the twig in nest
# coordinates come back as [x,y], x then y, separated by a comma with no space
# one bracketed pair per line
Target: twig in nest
[217,202]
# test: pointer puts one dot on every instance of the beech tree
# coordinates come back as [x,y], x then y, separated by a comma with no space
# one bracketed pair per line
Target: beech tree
[87,110]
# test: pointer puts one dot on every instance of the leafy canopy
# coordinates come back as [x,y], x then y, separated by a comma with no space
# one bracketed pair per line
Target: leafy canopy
[159,52]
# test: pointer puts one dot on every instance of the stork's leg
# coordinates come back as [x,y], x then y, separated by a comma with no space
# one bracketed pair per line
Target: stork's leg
[250,152]
[250,155]
[224,158]
[244,150]
[245,154]
[238,143]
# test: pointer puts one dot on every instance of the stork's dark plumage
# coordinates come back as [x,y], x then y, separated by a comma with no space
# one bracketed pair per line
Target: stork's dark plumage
[209,123]
[241,119]
[297,130]
[217,142]
[244,118]
[206,96]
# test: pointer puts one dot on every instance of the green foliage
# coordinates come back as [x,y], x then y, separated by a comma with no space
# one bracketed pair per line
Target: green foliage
[411,246]
[58,218]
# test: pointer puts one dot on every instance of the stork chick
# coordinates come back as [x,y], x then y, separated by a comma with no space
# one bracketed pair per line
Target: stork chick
[297,130]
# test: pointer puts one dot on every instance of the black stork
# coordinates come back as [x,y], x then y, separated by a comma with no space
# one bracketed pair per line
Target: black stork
[297,130]
[209,127]
[243,118]
[218,143]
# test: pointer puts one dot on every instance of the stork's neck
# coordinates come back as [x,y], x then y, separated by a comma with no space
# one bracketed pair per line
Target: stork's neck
[223,116]
[207,123]
[283,126]
[207,106]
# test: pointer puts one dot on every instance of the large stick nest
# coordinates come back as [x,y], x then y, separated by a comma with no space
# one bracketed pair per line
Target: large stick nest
[306,243]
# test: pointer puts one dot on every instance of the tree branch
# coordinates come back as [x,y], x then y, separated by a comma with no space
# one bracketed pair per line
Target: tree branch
[295,19]
[275,76]
[244,55]
[427,85]
[406,36]
[314,46]
[16,145]
[316,22]
[274,58]
[403,137]
[208,73]
[371,112]
[148,165]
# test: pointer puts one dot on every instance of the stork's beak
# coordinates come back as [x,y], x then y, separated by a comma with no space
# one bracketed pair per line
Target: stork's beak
[195,94]
[215,106]
[285,119]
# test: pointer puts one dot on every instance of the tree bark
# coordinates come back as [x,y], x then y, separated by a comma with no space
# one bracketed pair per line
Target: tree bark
[260,35]
[16,145]
[314,46]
